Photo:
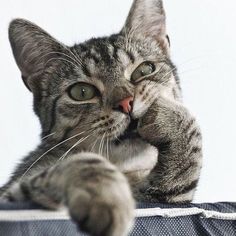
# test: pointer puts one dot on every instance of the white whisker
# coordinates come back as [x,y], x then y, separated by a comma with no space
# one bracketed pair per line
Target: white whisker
[92,149]
[76,144]
[64,54]
[100,145]
[62,59]
[48,135]
[29,168]
[107,146]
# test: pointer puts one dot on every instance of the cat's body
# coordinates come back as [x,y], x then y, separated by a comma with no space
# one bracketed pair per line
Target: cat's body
[109,108]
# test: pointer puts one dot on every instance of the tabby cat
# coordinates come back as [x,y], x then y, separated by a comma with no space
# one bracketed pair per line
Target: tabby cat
[114,128]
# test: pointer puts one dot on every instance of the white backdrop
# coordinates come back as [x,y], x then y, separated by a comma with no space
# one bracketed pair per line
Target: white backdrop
[203,41]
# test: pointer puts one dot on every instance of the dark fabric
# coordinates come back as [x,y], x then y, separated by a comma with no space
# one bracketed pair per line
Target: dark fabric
[193,225]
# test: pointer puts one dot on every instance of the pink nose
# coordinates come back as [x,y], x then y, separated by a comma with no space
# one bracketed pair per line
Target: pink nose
[126,104]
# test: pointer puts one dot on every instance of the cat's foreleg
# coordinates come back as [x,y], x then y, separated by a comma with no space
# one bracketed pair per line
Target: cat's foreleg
[169,126]
[96,194]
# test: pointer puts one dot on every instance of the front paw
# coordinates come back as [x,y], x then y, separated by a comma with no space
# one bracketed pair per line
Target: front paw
[96,193]
[160,120]
[149,123]
[101,206]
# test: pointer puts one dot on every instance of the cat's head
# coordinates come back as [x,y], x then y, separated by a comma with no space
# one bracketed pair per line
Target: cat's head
[99,88]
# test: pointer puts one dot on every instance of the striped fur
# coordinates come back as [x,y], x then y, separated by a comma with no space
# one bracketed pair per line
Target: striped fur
[90,149]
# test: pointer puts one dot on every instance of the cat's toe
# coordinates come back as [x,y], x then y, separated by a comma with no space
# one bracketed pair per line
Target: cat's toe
[100,217]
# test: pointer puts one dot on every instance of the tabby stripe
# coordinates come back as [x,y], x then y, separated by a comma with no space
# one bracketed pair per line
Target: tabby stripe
[105,54]
[90,161]
[115,56]
[174,93]
[116,48]
[189,124]
[86,71]
[193,133]
[180,122]
[194,150]
[68,130]
[53,114]
[178,190]
[94,57]
[115,53]
[94,54]
[163,146]
[185,169]
[90,173]
[112,41]
[189,187]
[131,56]
[25,191]
[83,47]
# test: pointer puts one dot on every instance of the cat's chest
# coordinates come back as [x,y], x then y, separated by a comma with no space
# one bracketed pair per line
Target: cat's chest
[135,158]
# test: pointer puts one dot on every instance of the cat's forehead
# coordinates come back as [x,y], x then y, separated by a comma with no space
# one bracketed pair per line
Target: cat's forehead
[104,53]
[111,55]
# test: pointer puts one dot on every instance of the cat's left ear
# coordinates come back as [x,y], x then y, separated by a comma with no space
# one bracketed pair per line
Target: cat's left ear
[147,19]
[32,48]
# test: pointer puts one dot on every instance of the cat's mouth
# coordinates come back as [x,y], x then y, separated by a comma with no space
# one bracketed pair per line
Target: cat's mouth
[130,133]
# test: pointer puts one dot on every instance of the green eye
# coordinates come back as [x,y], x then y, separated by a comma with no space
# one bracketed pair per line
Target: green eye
[82,92]
[144,69]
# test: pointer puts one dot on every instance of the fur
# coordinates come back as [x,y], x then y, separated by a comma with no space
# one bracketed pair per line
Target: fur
[94,158]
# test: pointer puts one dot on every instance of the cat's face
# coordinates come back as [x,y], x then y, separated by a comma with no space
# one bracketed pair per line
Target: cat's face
[97,90]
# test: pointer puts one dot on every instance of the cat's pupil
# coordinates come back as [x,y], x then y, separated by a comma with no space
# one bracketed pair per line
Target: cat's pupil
[83,92]
[143,72]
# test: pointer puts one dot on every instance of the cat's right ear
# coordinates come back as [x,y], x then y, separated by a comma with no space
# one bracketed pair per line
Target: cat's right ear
[32,48]
[146,18]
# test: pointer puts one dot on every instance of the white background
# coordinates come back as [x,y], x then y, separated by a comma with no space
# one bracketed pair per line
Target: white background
[203,41]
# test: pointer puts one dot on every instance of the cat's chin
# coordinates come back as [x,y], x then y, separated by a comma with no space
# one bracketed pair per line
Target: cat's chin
[130,133]
[134,157]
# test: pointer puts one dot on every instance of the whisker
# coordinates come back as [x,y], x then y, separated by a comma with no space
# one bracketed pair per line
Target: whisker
[71,53]
[116,138]
[78,58]
[107,146]
[103,142]
[94,144]
[157,73]
[110,146]
[77,143]
[29,168]
[62,59]
[48,135]
[100,145]
[64,54]
[169,72]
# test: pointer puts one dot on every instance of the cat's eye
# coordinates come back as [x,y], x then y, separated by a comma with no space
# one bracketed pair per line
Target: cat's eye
[144,69]
[82,91]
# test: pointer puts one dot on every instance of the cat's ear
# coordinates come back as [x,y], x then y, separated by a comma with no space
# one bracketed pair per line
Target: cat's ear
[32,47]
[147,19]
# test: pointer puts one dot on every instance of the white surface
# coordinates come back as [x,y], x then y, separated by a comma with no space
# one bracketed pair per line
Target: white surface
[38,215]
[203,41]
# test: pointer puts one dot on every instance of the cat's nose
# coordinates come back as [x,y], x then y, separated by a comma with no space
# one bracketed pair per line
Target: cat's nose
[125,105]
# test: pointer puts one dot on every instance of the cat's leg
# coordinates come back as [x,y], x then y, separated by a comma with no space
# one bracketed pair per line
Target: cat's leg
[96,194]
[170,127]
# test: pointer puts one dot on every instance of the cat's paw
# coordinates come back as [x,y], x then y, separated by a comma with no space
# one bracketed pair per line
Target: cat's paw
[102,205]
[96,193]
[158,121]
[101,216]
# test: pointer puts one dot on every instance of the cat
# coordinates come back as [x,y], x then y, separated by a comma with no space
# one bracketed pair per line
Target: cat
[114,127]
